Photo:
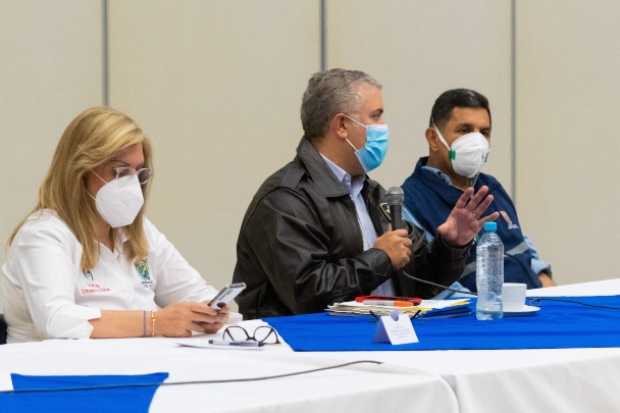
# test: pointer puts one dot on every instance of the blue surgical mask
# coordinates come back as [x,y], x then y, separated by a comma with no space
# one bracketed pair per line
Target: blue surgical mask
[372,154]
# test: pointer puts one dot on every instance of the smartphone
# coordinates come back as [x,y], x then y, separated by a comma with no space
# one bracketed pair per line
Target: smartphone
[226,295]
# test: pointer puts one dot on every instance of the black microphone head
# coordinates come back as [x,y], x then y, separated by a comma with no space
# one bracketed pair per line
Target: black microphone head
[395,196]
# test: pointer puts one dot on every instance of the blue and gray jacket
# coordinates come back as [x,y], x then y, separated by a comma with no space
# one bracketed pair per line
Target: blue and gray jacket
[430,196]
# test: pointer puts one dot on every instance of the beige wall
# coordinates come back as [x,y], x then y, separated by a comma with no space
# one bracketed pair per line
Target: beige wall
[568,62]
[419,49]
[51,68]
[217,85]
[185,74]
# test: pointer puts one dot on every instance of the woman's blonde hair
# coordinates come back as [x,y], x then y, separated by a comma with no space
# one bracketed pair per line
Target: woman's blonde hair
[90,140]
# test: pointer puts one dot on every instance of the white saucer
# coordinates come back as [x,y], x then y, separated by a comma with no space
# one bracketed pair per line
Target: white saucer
[525,310]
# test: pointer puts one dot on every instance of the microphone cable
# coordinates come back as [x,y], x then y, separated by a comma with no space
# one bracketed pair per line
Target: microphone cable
[188,382]
[535,300]
[434,284]
[532,299]
[395,199]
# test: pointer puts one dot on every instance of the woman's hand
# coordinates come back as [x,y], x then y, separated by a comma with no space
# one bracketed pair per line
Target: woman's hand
[179,320]
[223,313]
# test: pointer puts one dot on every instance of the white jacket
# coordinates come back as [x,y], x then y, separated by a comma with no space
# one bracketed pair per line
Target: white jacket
[45,294]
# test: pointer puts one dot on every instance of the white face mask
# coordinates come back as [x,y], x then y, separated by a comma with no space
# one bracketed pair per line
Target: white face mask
[468,153]
[120,200]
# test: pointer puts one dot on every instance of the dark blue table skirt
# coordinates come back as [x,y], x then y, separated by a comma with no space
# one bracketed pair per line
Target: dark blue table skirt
[81,394]
[561,323]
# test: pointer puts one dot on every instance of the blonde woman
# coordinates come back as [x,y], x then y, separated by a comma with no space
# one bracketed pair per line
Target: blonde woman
[86,262]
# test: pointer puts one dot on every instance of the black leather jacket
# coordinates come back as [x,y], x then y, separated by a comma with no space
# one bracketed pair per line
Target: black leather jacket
[300,247]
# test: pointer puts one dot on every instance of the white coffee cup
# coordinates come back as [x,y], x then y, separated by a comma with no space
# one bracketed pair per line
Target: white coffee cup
[513,296]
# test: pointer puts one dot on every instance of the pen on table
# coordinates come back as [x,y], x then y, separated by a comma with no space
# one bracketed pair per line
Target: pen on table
[244,343]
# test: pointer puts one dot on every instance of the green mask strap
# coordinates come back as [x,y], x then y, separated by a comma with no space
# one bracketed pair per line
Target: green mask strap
[451,152]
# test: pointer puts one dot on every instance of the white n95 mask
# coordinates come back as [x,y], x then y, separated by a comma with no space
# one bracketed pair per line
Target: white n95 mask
[120,200]
[468,153]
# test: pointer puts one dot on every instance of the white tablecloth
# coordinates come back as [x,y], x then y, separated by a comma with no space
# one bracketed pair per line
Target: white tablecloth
[360,388]
[506,381]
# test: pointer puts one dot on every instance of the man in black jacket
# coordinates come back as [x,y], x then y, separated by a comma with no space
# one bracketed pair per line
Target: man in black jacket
[316,233]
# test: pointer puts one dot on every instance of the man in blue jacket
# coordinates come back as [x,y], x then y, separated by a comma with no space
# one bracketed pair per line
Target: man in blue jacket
[458,138]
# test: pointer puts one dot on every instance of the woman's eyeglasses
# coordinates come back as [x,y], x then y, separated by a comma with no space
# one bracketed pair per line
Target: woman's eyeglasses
[144,174]
[262,335]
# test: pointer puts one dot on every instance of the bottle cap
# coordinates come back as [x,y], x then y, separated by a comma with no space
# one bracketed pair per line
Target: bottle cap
[490,226]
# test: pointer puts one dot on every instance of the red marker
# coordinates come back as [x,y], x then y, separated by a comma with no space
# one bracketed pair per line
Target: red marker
[388,300]
[391,303]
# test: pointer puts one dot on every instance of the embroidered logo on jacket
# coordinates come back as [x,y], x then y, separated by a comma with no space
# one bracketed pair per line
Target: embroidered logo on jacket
[142,267]
[506,217]
[92,287]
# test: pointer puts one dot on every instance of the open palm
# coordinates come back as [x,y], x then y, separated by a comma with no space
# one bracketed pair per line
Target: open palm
[465,221]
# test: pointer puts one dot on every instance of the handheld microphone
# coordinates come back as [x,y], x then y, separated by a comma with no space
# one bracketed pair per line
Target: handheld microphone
[394,198]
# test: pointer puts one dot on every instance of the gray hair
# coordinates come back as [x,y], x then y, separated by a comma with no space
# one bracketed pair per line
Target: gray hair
[328,93]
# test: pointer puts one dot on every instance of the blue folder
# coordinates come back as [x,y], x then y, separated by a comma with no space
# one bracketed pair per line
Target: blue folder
[562,322]
[81,394]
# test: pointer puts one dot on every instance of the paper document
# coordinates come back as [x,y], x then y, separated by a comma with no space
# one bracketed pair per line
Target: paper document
[440,304]
[354,307]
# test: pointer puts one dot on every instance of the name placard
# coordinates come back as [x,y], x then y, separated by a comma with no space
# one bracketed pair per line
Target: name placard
[395,328]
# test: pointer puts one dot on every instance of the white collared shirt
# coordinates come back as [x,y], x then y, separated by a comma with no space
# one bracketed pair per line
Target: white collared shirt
[46,294]
[354,188]
[369,234]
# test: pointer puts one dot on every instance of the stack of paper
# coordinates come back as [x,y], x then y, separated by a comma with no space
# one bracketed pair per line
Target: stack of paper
[426,306]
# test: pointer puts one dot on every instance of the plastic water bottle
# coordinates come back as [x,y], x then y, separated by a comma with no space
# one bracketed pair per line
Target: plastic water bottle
[489,274]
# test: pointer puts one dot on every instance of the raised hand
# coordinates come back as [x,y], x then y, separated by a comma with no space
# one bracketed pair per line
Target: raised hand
[465,220]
